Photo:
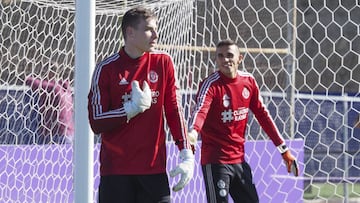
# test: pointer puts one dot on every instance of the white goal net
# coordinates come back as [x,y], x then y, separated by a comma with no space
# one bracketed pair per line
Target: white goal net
[303,54]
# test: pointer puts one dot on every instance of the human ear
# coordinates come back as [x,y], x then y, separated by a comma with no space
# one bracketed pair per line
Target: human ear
[130,32]
[240,58]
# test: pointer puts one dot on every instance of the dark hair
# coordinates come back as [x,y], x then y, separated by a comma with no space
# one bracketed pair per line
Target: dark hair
[133,16]
[226,42]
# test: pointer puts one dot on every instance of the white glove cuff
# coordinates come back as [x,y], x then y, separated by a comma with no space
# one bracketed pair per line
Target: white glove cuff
[193,135]
[130,109]
[282,148]
[186,154]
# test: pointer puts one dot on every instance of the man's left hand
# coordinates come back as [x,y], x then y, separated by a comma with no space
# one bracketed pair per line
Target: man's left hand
[291,163]
[185,168]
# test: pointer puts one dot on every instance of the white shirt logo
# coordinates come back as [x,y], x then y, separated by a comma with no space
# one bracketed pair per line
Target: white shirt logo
[234,115]
[226,101]
[153,76]
[123,81]
[245,93]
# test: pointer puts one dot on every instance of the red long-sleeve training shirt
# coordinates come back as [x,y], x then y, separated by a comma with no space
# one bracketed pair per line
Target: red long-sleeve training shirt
[137,146]
[221,115]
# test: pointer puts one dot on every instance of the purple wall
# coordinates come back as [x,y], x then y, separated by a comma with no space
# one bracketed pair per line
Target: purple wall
[43,173]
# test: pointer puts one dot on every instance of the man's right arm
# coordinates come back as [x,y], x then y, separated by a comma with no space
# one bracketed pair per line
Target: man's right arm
[203,102]
[101,117]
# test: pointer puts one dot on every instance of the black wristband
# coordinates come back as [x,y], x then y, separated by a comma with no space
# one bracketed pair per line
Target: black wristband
[282,148]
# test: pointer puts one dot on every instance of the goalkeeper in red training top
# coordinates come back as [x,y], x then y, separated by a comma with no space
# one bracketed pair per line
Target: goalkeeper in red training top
[130,94]
[220,116]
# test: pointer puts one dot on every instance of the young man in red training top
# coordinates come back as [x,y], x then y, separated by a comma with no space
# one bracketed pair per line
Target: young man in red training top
[220,116]
[130,94]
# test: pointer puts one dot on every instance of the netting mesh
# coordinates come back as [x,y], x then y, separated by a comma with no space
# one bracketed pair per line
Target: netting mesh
[303,54]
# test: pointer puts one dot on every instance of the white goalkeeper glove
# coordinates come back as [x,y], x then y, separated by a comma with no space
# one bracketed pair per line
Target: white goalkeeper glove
[290,161]
[193,135]
[185,168]
[140,99]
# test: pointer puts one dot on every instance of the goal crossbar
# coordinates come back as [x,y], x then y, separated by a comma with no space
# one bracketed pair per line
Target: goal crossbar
[212,49]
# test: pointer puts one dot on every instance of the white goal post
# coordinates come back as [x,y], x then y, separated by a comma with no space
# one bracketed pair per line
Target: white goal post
[303,54]
[84,64]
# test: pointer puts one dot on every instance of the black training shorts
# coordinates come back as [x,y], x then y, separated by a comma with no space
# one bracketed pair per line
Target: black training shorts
[234,179]
[134,189]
